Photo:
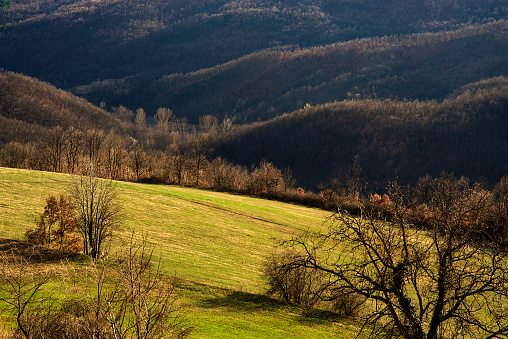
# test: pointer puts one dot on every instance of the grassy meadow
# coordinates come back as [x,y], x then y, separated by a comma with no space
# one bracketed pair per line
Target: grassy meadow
[213,243]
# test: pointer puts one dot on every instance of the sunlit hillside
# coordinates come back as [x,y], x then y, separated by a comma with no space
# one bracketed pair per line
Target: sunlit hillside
[213,243]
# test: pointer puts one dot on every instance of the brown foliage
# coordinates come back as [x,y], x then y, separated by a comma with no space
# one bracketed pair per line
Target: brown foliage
[56,225]
[266,179]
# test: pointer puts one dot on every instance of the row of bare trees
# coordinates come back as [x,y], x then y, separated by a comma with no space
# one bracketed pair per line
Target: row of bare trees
[186,161]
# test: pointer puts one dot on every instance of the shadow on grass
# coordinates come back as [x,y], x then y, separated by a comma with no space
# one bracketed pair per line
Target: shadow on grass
[248,302]
[243,301]
[35,253]
[318,317]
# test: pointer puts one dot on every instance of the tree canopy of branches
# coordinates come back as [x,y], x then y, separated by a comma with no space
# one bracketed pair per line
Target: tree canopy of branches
[127,297]
[97,211]
[20,285]
[141,304]
[433,282]
[162,117]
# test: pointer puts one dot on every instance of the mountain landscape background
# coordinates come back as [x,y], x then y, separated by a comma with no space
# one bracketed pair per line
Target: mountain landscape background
[412,87]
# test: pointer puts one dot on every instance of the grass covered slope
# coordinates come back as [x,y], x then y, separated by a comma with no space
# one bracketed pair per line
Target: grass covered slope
[207,237]
[213,243]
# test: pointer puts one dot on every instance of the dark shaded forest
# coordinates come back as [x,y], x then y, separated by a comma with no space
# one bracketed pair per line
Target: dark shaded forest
[265,84]
[465,134]
[249,60]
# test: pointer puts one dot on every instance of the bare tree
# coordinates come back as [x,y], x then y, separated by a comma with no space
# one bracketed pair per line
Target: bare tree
[94,140]
[498,218]
[114,155]
[221,173]
[14,155]
[418,283]
[53,148]
[97,211]
[123,113]
[162,117]
[208,124]
[142,304]
[138,160]
[288,181]
[140,117]
[354,180]
[181,125]
[20,287]
[199,152]
[73,146]
[177,159]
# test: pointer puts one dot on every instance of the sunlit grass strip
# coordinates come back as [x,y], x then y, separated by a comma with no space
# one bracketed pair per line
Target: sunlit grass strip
[204,236]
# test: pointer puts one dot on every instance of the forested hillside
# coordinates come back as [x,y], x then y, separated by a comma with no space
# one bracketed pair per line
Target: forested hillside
[253,59]
[465,134]
[268,83]
[412,87]
[28,108]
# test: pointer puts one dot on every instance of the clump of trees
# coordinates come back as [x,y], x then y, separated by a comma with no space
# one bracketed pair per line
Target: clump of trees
[92,211]
[436,269]
[291,282]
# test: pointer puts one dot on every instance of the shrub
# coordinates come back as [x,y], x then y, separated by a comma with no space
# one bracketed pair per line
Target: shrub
[290,282]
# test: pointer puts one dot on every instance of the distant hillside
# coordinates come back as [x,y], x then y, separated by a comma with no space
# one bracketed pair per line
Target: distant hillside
[265,84]
[465,133]
[154,46]
[28,107]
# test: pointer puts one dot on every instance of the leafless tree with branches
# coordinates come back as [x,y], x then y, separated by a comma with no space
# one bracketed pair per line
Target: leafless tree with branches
[440,281]
[97,209]
[141,304]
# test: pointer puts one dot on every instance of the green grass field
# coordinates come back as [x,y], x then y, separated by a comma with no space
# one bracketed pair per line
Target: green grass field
[213,243]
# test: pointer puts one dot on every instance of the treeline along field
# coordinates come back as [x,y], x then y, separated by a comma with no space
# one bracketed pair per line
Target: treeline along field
[49,129]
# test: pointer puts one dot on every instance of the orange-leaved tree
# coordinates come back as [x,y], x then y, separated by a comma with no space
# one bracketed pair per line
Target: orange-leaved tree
[55,226]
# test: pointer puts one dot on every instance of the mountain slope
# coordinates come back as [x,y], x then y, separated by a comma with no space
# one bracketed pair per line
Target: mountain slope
[265,84]
[29,106]
[465,133]
[74,43]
